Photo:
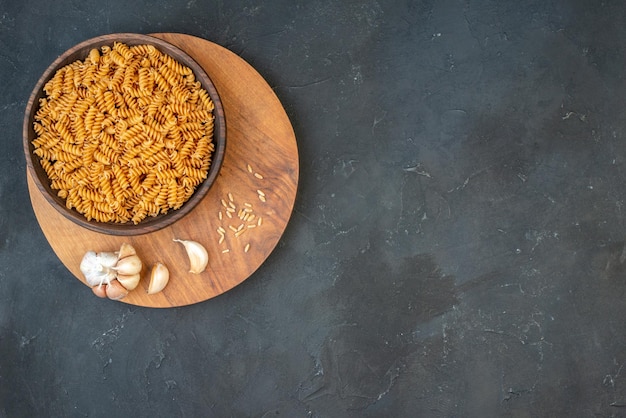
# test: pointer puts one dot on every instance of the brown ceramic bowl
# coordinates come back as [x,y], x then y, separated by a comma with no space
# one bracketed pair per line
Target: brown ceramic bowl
[149,224]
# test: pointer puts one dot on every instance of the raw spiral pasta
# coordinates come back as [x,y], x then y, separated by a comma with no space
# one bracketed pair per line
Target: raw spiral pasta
[125,134]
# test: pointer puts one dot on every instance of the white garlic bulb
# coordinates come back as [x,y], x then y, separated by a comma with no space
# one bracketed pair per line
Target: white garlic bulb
[112,274]
[98,268]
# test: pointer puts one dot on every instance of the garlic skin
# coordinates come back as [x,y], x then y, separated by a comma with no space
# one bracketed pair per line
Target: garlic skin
[198,256]
[126,250]
[159,277]
[115,290]
[129,265]
[100,290]
[129,281]
[98,268]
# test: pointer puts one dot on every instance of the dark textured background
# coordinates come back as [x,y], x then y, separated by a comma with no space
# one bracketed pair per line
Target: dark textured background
[457,246]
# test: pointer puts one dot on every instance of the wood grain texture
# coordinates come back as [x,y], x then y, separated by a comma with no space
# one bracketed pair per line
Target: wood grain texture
[259,134]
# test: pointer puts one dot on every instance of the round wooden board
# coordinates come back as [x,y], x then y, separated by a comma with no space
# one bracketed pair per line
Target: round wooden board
[261,157]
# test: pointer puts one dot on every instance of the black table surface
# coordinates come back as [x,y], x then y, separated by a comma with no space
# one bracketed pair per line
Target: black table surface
[457,246]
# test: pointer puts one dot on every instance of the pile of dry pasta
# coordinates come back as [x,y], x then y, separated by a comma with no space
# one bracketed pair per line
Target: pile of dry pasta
[125,134]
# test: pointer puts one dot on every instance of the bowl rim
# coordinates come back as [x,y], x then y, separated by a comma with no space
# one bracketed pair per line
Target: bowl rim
[149,224]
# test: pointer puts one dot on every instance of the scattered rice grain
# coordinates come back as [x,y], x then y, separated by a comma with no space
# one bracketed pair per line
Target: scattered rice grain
[246,248]
[249,168]
[257,175]
[230,197]
[225,251]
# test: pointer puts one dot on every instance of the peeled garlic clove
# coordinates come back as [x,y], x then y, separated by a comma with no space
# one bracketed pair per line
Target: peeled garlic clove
[129,281]
[100,290]
[115,290]
[198,256]
[128,265]
[126,250]
[159,276]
